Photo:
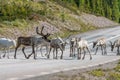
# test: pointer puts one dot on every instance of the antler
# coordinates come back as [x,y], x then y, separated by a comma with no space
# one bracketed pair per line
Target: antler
[41,31]
[44,36]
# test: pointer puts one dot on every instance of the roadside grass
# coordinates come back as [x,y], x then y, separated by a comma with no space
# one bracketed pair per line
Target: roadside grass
[113,76]
[117,68]
[97,73]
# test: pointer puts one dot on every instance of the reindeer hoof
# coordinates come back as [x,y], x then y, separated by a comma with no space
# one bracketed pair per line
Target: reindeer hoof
[15,58]
[83,58]
[78,58]
[4,56]
[61,57]
[74,55]
[28,57]
[48,56]
[91,58]
[35,58]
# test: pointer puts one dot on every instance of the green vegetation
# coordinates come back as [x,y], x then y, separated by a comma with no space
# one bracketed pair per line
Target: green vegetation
[117,68]
[21,14]
[107,8]
[97,73]
[113,76]
[19,9]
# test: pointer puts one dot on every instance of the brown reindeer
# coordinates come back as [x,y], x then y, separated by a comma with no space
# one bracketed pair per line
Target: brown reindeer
[31,41]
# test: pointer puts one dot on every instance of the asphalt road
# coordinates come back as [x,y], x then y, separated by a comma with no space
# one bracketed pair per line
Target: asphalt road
[21,68]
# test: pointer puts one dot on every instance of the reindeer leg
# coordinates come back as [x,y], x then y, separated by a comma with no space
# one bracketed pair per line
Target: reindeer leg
[78,51]
[36,51]
[33,52]
[70,51]
[96,50]
[16,51]
[61,54]
[54,53]
[105,50]
[46,50]
[8,53]
[4,53]
[49,53]
[89,53]
[74,52]
[33,47]
[41,51]
[24,52]
[118,50]
[84,53]
[102,49]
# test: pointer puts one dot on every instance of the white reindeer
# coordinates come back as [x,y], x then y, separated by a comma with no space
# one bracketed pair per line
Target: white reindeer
[82,45]
[6,44]
[116,44]
[101,42]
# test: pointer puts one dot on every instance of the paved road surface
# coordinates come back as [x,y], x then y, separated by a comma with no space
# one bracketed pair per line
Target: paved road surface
[21,68]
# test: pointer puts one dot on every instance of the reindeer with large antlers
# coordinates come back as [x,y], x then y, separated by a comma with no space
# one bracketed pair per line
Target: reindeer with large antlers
[55,44]
[31,41]
[44,38]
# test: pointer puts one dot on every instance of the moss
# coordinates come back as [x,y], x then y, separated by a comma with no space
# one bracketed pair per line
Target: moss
[113,76]
[97,73]
[117,68]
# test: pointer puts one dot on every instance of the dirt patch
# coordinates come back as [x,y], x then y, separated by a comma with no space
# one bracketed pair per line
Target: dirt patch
[97,21]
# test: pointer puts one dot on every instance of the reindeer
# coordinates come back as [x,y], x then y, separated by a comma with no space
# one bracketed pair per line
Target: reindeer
[82,45]
[73,45]
[101,42]
[56,44]
[6,44]
[116,44]
[45,44]
[31,41]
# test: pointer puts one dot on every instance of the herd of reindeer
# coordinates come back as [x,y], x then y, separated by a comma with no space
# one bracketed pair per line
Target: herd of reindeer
[76,44]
